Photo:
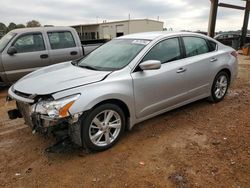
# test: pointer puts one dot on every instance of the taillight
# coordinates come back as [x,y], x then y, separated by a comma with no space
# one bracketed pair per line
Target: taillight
[234,53]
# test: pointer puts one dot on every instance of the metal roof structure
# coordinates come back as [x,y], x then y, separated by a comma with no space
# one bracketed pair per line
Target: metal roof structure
[213,15]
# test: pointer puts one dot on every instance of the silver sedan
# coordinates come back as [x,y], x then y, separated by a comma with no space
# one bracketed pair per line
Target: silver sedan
[124,82]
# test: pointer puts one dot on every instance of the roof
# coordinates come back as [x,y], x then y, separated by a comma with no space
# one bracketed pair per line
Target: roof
[119,21]
[157,34]
[132,21]
[35,29]
[94,24]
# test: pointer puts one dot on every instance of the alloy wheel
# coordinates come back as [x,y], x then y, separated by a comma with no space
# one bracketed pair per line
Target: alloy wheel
[105,128]
[221,86]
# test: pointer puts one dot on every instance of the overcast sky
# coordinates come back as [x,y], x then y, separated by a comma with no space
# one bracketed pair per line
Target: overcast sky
[176,14]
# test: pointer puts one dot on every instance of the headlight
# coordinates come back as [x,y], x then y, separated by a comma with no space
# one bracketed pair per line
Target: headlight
[56,109]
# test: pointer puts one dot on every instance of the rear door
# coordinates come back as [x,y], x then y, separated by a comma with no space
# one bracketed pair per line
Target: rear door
[31,55]
[63,46]
[201,54]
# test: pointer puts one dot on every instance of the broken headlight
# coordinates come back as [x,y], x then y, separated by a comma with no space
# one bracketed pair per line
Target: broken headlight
[57,108]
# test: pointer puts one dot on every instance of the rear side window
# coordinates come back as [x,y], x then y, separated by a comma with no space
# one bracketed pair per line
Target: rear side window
[195,46]
[62,39]
[221,37]
[213,45]
[29,43]
[165,51]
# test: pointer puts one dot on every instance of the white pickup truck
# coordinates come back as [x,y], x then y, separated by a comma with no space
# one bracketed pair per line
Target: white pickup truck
[25,50]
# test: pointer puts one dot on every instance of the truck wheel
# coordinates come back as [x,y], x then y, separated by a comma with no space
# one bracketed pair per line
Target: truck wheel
[102,127]
[220,87]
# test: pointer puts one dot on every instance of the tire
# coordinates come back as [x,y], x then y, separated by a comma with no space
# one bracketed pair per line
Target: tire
[98,135]
[219,87]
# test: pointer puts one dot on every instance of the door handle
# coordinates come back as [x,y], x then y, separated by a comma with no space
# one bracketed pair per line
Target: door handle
[181,70]
[213,59]
[73,53]
[44,56]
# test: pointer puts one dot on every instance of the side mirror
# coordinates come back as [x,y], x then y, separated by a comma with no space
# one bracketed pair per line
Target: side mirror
[12,50]
[150,65]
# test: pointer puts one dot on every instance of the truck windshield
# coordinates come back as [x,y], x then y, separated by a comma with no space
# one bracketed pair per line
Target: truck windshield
[5,40]
[113,55]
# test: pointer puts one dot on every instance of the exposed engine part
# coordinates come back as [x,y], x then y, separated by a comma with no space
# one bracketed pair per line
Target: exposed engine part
[14,114]
[75,133]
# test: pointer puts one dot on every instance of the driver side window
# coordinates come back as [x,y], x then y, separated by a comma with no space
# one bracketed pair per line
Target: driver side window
[29,43]
[165,51]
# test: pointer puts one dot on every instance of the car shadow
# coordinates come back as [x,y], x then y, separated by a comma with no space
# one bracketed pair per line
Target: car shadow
[66,147]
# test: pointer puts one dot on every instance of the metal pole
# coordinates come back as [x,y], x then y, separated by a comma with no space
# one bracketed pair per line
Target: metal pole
[245,24]
[81,32]
[212,17]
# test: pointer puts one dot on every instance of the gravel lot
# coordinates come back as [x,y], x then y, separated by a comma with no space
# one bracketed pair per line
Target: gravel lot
[199,145]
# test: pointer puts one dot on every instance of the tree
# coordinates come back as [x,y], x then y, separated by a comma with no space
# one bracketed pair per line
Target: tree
[11,26]
[33,23]
[20,26]
[3,28]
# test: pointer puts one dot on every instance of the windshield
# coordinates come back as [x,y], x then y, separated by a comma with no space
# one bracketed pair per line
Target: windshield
[5,40]
[113,55]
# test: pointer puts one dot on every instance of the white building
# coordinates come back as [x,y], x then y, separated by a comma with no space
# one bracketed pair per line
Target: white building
[109,30]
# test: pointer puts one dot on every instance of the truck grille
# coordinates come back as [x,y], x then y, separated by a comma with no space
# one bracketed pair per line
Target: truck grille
[25,111]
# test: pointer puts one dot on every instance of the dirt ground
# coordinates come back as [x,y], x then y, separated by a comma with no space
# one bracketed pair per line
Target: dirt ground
[199,145]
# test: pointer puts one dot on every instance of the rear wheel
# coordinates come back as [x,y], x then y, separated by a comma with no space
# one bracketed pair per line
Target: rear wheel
[102,127]
[220,87]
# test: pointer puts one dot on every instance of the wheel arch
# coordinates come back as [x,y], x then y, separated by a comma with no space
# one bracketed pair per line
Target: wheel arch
[119,103]
[211,97]
[227,71]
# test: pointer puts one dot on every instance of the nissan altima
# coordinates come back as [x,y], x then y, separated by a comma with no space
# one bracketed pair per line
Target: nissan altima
[126,81]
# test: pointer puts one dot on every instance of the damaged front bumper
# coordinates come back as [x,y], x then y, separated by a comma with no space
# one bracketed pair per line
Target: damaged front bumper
[37,118]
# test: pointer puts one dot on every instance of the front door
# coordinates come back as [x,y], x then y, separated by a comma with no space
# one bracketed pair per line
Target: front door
[156,90]
[31,55]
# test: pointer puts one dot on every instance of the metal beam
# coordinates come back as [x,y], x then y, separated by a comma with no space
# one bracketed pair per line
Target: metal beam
[231,6]
[212,17]
[245,24]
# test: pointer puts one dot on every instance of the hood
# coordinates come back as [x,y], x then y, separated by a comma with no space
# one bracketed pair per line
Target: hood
[57,77]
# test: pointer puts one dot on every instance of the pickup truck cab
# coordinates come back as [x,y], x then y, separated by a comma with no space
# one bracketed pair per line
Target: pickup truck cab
[25,50]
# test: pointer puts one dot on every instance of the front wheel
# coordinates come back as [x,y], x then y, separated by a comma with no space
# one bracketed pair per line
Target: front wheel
[102,127]
[220,87]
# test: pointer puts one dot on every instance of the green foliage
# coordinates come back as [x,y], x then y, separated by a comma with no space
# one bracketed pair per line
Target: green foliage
[11,26]
[2,26]
[20,26]
[5,29]
[33,23]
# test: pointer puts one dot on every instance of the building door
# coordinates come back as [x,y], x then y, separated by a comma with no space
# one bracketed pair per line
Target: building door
[119,34]
[106,33]
[119,30]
